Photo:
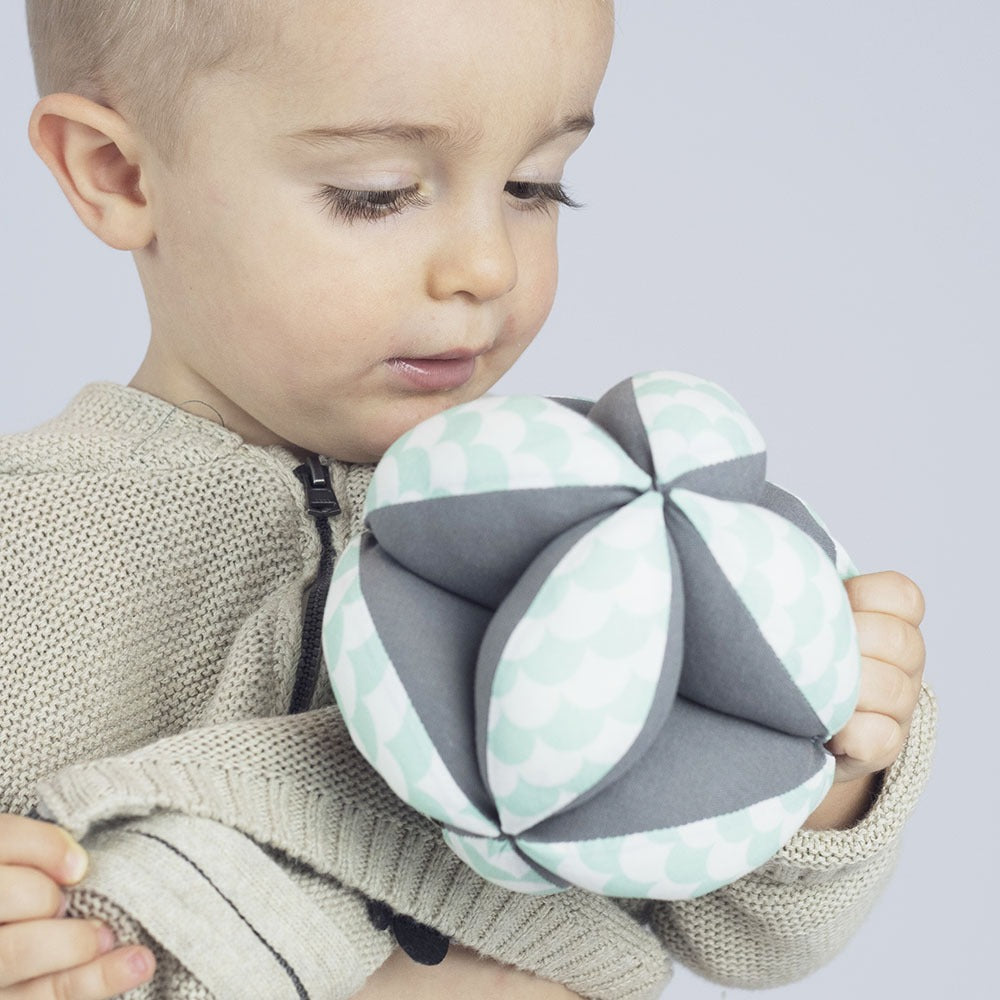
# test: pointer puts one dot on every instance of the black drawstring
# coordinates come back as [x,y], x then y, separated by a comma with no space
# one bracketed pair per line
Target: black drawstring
[423,944]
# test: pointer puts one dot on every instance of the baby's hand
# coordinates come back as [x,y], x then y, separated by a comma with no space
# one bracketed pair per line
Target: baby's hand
[44,956]
[888,608]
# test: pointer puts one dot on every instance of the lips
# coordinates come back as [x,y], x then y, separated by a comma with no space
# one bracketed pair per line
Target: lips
[438,373]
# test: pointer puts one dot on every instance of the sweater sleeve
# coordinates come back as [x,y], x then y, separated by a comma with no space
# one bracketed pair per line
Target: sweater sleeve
[792,915]
[293,790]
[256,819]
[182,884]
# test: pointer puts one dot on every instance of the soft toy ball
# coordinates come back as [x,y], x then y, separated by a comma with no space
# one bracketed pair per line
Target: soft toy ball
[593,642]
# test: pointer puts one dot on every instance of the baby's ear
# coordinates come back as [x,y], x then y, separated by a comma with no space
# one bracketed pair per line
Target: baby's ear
[95,156]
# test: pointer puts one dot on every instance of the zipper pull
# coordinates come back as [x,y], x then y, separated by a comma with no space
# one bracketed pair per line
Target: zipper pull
[321,501]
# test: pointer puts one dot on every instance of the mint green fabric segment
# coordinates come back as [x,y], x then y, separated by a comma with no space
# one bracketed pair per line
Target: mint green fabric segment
[498,862]
[378,712]
[685,861]
[792,591]
[845,565]
[692,423]
[500,443]
[578,674]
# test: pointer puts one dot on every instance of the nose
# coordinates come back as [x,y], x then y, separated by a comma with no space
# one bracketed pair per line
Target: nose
[475,258]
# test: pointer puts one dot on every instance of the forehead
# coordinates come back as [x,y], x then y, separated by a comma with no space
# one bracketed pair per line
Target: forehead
[469,64]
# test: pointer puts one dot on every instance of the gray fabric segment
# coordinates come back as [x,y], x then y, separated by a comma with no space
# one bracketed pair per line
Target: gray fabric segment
[791,508]
[432,638]
[740,479]
[617,412]
[581,406]
[481,543]
[505,620]
[702,764]
[728,666]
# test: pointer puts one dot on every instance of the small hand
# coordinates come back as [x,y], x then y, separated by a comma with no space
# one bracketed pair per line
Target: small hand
[888,608]
[44,955]
[463,973]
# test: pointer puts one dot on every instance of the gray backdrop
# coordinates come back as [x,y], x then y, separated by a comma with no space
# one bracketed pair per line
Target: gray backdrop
[798,200]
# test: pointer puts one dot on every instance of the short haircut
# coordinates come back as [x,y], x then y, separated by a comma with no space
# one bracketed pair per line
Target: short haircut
[141,56]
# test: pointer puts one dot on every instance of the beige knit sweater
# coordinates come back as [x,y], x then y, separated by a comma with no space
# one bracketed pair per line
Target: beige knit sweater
[152,570]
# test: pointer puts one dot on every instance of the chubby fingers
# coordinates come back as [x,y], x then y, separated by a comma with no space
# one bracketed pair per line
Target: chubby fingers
[888,608]
[36,859]
[31,843]
[869,743]
[42,955]
[875,733]
[28,894]
[69,960]
[35,948]
[889,593]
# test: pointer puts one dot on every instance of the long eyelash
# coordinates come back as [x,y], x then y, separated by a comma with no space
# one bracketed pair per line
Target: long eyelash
[539,197]
[368,206]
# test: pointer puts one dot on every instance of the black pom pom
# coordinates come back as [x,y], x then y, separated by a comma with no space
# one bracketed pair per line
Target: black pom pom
[422,943]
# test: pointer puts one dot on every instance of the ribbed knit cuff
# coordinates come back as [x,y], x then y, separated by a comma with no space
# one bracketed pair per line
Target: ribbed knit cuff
[821,855]
[231,916]
[584,941]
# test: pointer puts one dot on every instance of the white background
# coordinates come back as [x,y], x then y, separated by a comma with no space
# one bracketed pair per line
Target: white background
[800,201]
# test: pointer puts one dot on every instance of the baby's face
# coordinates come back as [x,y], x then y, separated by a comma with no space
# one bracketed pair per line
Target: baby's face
[364,230]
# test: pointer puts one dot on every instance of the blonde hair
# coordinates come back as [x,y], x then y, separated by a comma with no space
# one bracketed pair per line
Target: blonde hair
[140,56]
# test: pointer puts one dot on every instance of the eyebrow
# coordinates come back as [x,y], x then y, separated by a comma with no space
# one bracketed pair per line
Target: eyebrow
[415,132]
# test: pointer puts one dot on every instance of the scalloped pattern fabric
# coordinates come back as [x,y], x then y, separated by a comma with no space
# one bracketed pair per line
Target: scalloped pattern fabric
[593,642]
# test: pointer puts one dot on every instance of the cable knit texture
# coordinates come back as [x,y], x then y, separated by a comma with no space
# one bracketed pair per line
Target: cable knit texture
[154,567]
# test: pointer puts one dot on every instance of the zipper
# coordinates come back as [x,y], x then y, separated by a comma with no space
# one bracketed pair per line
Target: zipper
[321,505]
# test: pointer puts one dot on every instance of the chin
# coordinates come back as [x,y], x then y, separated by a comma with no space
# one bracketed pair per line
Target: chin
[423,408]
[378,439]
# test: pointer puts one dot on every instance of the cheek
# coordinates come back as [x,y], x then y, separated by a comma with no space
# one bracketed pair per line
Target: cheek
[539,289]
[287,297]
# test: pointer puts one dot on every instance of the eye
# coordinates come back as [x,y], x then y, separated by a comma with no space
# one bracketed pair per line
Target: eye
[534,196]
[368,206]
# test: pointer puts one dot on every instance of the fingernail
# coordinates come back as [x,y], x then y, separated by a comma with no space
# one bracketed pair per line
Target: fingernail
[140,963]
[105,937]
[75,864]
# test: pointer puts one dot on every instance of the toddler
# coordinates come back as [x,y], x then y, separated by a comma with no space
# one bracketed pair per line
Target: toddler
[343,214]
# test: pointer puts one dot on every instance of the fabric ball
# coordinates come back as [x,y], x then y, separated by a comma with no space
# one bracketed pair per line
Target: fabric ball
[593,642]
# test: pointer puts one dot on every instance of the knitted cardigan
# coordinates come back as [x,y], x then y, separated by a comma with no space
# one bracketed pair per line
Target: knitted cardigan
[153,568]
